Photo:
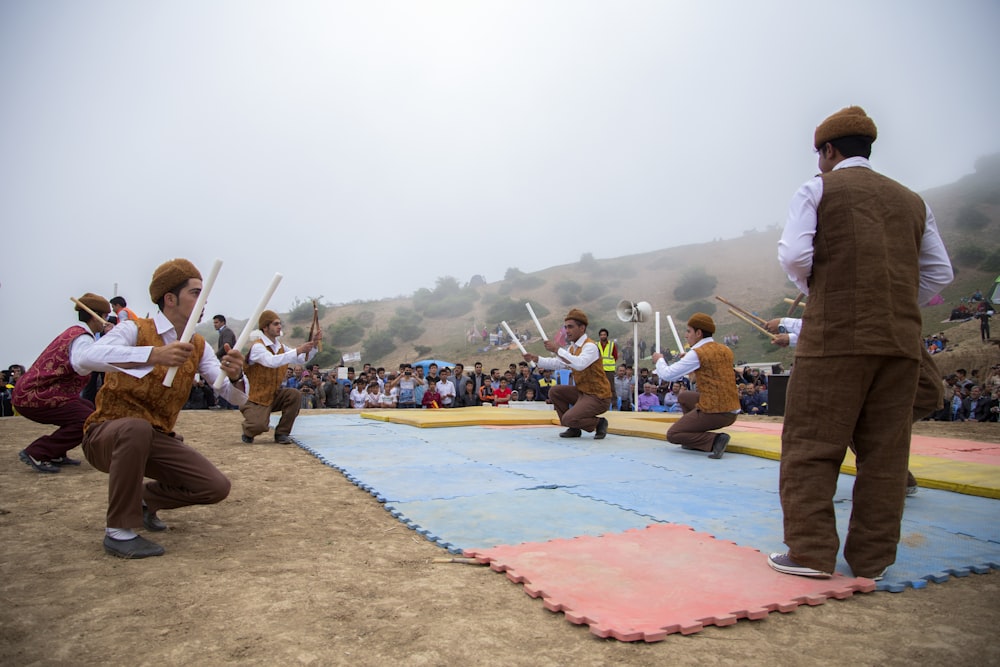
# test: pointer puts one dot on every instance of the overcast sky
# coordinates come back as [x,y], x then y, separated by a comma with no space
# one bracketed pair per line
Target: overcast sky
[365,148]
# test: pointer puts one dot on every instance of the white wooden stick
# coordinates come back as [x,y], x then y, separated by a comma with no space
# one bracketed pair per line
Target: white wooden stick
[657,332]
[538,325]
[252,322]
[677,339]
[199,305]
[514,338]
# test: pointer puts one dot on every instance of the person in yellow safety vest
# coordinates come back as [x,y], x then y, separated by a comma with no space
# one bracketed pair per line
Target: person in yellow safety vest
[609,358]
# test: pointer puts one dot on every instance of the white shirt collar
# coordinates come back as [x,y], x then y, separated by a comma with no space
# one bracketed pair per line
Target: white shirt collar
[853,162]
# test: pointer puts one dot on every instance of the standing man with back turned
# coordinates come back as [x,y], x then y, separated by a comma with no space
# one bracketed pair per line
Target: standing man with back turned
[867,252]
[590,393]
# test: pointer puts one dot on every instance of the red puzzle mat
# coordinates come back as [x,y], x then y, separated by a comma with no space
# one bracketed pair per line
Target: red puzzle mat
[646,584]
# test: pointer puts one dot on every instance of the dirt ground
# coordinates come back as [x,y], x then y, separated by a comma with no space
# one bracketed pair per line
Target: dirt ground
[299,566]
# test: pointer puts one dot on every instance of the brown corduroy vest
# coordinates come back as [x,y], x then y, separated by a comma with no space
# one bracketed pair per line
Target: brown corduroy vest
[865,272]
[716,382]
[146,398]
[264,381]
[592,379]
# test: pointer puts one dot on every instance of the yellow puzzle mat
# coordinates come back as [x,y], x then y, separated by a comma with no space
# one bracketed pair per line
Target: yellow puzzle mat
[934,472]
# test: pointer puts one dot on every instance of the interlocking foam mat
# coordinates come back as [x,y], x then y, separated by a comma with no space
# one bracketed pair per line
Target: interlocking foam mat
[480,489]
[646,584]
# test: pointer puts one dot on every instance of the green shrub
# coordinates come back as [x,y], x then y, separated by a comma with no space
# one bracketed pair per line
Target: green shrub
[377,345]
[970,255]
[695,284]
[302,311]
[345,332]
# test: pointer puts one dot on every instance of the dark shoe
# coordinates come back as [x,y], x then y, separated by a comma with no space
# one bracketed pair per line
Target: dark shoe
[137,547]
[784,564]
[719,446]
[570,433]
[283,440]
[911,490]
[40,466]
[602,429]
[246,439]
[64,461]
[151,521]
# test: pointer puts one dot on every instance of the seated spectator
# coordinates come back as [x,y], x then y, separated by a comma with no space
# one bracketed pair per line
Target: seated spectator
[486,393]
[201,396]
[501,396]
[975,407]
[529,395]
[293,377]
[670,398]
[387,397]
[446,389]
[333,392]
[545,383]
[309,389]
[469,398]
[406,384]
[525,381]
[648,398]
[373,398]
[358,394]
[623,389]
[431,399]
[953,405]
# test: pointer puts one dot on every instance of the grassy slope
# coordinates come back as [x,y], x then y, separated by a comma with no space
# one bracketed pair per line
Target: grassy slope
[745,268]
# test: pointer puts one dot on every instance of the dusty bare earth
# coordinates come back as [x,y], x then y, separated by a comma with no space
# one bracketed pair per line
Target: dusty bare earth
[298,566]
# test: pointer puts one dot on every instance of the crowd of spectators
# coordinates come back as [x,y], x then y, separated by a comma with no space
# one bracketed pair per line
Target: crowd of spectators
[969,398]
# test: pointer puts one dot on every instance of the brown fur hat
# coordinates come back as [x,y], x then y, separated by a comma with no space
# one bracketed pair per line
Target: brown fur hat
[266,318]
[848,122]
[96,303]
[171,275]
[703,322]
[578,315]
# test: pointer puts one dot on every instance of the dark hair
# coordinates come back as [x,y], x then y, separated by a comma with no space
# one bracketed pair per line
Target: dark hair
[221,318]
[118,301]
[599,331]
[175,291]
[853,146]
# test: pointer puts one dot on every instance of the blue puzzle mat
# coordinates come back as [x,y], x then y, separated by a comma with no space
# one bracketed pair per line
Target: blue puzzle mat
[473,487]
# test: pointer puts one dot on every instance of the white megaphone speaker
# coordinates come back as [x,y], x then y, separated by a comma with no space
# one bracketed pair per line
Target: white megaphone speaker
[630,311]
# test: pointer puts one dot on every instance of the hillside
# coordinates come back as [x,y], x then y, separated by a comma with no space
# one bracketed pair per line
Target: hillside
[676,281]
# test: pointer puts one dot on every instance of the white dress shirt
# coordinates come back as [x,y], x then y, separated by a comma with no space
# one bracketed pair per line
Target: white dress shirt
[795,249]
[589,353]
[120,346]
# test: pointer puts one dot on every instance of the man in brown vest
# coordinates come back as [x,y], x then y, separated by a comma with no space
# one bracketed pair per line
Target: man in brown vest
[131,434]
[590,393]
[267,360]
[717,401]
[867,252]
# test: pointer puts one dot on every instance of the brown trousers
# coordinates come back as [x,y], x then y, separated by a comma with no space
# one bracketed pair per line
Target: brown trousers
[832,402]
[257,418]
[586,407]
[694,429]
[130,449]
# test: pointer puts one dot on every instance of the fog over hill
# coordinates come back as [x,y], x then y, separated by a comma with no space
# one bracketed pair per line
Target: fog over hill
[676,281]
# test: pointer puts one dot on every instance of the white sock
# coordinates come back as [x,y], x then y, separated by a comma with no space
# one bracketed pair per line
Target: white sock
[121,533]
